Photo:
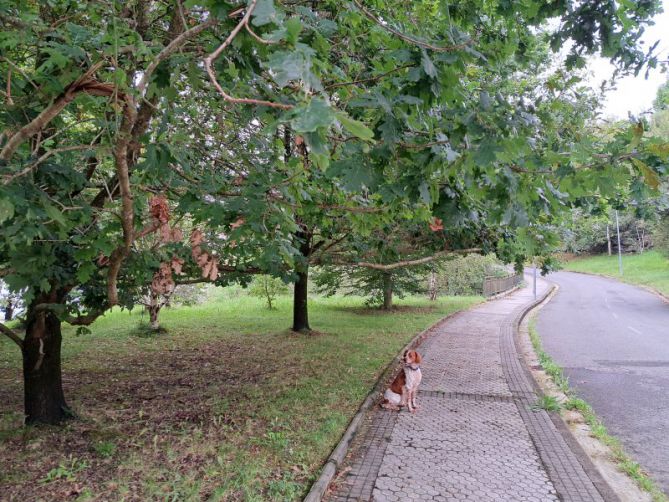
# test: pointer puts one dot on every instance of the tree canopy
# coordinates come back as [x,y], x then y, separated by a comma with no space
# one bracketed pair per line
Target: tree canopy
[249,136]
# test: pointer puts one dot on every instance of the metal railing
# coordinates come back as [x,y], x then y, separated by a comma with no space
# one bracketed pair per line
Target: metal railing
[495,285]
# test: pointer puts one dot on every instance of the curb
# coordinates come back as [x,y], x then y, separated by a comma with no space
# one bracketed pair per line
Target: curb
[591,470]
[337,456]
[607,469]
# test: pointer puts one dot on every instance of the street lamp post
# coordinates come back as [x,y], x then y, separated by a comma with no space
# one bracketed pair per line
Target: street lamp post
[620,255]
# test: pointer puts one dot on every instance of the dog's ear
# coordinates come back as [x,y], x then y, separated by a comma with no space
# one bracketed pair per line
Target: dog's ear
[418,358]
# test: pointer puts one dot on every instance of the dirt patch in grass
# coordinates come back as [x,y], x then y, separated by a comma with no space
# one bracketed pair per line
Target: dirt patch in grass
[397,309]
[144,406]
[226,406]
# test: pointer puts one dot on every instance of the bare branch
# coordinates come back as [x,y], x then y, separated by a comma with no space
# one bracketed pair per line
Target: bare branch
[410,263]
[209,60]
[170,49]
[11,177]
[85,83]
[124,137]
[9,99]
[258,37]
[407,38]
[60,310]
[419,146]
[13,21]
[12,335]
[370,79]
[182,18]
[20,70]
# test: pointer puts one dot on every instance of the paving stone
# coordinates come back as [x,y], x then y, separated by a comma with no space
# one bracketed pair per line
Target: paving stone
[474,437]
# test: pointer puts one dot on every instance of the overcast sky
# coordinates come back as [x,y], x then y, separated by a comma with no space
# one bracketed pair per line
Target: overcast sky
[635,94]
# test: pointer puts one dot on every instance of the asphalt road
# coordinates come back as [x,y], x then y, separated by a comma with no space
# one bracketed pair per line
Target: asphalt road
[612,340]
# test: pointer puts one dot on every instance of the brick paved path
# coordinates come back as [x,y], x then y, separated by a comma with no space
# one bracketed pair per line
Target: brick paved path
[475,436]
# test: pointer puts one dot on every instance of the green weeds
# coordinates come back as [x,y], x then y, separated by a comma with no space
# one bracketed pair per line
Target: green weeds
[597,428]
[67,471]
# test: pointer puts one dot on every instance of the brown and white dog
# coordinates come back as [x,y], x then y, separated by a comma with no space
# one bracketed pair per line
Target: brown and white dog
[402,391]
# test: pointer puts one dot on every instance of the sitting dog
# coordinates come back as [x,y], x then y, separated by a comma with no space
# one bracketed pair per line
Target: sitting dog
[403,390]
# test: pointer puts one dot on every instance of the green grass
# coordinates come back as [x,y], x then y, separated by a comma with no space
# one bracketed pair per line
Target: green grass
[597,428]
[548,403]
[650,268]
[228,404]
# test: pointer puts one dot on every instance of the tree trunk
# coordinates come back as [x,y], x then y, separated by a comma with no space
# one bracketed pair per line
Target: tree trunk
[432,286]
[608,239]
[300,306]
[154,310]
[9,310]
[300,292]
[387,291]
[43,387]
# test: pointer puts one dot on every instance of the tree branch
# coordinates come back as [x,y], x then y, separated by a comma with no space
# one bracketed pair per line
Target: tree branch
[12,335]
[370,79]
[209,60]
[60,310]
[409,263]
[11,177]
[407,38]
[83,84]
[170,49]
[127,209]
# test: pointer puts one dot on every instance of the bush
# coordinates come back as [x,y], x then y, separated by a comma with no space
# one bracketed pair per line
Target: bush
[661,236]
[267,287]
[464,275]
[190,294]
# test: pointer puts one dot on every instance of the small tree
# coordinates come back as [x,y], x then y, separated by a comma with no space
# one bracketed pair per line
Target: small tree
[379,286]
[267,287]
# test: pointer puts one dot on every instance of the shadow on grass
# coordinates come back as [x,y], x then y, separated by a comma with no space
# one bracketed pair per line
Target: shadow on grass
[379,311]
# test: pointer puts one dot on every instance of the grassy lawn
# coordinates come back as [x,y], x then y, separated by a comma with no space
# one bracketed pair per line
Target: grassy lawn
[647,269]
[227,405]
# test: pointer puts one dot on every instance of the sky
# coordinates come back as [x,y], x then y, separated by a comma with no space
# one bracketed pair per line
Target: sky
[634,94]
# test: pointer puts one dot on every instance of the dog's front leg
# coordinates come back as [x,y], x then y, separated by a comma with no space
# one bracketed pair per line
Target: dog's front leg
[413,399]
[407,398]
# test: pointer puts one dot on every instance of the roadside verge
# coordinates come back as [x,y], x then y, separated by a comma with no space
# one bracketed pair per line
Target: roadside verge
[623,476]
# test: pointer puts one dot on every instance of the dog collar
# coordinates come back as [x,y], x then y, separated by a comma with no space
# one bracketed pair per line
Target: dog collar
[412,367]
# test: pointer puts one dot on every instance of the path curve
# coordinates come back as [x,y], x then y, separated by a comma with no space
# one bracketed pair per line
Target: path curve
[612,340]
[475,436]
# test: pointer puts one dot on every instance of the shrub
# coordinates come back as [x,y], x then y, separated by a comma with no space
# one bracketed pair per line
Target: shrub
[267,287]
[464,275]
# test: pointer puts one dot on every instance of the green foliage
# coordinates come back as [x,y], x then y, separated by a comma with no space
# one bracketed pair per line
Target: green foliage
[455,122]
[547,403]
[661,102]
[661,236]
[361,281]
[464,275]
[67,470]
[267,288]
[323,133]
[105,449]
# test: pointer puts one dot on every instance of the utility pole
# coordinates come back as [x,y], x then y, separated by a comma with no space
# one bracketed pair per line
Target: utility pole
[620,255]
[608,239]
[534,288]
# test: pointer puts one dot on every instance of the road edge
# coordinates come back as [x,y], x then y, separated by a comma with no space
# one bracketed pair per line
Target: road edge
[605,468]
